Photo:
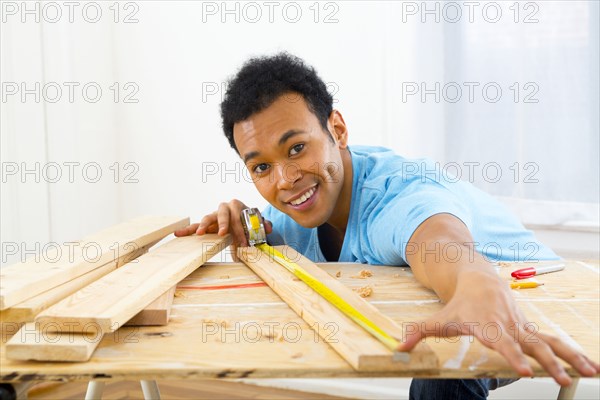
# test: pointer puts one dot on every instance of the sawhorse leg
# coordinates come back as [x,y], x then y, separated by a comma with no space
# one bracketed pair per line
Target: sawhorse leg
[149,388]
[94,390]
[568,392]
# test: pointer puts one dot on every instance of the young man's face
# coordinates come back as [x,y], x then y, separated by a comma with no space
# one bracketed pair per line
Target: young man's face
[295,164]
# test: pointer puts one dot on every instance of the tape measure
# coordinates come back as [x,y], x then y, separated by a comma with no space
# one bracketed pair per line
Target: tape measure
[252,222]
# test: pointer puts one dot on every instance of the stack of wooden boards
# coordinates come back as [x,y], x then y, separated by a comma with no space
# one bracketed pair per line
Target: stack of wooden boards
[66,301]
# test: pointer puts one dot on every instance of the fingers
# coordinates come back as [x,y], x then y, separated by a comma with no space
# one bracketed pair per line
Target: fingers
[208,224]
[410,341]
[268,226]
[547,350]
[225,220]
[233,252]
[513,345]
[537,348]
[580,362]
[510,349]
[506,332]
[444,324]
[188,230]
[229,221]
[414,332]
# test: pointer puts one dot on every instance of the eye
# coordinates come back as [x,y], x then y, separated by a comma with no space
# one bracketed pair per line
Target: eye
[297,148]
[260,168]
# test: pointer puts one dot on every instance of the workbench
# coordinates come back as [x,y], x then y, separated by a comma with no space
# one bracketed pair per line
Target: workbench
[226,323]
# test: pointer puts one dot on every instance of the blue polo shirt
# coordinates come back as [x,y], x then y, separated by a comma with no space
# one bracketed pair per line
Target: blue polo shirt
[392,196]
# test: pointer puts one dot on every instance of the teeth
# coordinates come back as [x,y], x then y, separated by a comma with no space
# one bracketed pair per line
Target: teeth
[303,198]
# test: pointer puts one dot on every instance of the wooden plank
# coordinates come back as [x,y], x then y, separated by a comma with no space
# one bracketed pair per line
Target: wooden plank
[27,310]
[60,264]
[156,313]
[33,343]
[111,301]
[361,350]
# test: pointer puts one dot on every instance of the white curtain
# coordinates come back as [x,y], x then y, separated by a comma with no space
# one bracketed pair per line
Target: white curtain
[395,68]
[544,131]
[512,90]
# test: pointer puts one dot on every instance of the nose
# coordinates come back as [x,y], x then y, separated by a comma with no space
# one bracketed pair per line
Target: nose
[287,175]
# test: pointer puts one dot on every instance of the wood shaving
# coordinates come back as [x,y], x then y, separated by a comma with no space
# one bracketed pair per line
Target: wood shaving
[297,355]
[364,274]
[270,335]
[218,321]
[364,291]
[274,335]
[224,277]
[338,274]
[295,278]
[178,293]
[504,264]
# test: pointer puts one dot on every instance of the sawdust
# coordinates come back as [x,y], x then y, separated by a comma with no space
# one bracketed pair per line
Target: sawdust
[224,277]
[504,264]
[178,293]
[271,336]
[297,355]
[338,274]
[275,335]
[218,321]
[396,275]
[364,291]
[364,274]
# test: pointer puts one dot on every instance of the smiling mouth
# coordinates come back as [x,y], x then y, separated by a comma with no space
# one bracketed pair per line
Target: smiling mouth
[307,195]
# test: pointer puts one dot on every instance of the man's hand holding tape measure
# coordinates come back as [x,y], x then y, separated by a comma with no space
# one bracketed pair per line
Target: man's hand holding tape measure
[223,221]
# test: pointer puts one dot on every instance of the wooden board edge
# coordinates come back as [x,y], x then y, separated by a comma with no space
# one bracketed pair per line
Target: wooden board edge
[156,313]
[35,344]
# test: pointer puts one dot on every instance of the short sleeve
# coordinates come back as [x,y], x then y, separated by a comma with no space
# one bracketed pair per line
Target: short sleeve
[399,211]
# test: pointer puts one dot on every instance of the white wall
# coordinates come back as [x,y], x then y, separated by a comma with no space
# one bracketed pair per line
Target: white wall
[166,143]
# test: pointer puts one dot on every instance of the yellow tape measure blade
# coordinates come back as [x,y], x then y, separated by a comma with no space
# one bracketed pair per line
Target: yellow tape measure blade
[332,297]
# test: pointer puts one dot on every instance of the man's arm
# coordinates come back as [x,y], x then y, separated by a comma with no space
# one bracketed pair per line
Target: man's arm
[442,257]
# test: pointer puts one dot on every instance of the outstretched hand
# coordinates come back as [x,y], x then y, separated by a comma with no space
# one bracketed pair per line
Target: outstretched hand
[486,309]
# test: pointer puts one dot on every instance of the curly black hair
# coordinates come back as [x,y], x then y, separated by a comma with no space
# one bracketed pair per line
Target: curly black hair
[262,80]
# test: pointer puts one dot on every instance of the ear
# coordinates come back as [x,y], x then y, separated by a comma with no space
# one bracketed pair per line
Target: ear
[337,127]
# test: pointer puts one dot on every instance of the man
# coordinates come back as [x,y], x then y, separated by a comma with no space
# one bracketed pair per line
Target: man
[334,202]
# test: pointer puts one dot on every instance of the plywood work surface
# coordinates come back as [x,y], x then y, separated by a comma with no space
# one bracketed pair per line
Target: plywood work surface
[226,323]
